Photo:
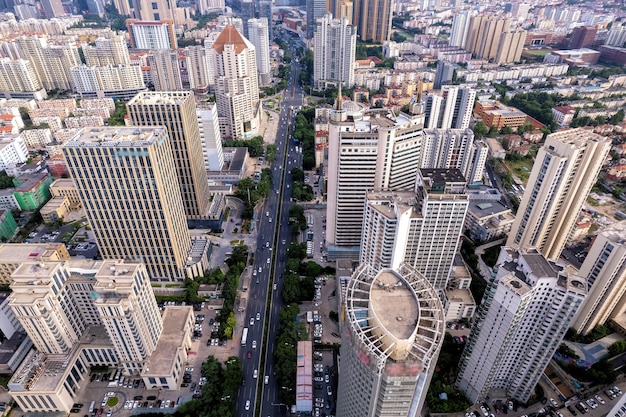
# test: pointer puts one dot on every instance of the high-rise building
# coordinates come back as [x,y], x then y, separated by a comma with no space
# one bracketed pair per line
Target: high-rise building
[265,11]
[122,82]
[334,48]
[247,11]
[343,9]
[616,36]
[484,35]
[510,46]
[565,169]
[128,183]
[449,109]
[605,271]
[195,58]
[236,84]
[151,34]
[18,76]
[258,35]
[373,19]
[448,148]
[154,10]
[366,154]
[176,110]
[582,37]
[211,137]
[444,74]
[122,7]
[53,8]
[460,29]
[480,152]
[395,320]
[107,51]
[525,312]
[421,228]
[315,9]
[165,70]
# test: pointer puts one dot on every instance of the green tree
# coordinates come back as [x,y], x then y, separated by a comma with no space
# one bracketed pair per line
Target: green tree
[480,129]
[617,118]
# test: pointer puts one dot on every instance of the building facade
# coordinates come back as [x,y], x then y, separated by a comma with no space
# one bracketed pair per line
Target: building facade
[395,320]
[334,48]
[449,109]
[565,169]
[165,70]
[259,36]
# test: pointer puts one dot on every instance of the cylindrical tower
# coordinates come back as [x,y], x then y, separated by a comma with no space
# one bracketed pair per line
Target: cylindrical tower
[392,334]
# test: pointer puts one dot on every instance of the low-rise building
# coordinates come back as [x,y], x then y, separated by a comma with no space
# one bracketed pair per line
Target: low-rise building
[55,209]
[8,226]
[32,191]
[488,220]
[494,113]
[12,255]
[563,115]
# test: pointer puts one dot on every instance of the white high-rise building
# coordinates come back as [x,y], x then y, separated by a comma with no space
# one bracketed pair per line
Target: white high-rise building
[393,318]
[525,312]
[236,84]
[195,58]
[366,152]
[208,122]
[460,29]
[334,47]
[421,228]
[476,171]
[107,51]
[18,75]
[152,34]
[449,148]
[210,56]
[122,82]
[605,271]
[258,35]
[565,169]
[165,70]
[616,36]
[449,109]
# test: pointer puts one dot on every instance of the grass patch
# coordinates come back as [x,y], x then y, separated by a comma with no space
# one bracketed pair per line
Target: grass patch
[592,202]
[537,52]
[112,402]
[521,168]
[236,242]
[490,257]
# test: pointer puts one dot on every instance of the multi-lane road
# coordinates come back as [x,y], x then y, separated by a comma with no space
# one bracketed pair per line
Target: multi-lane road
[272,225]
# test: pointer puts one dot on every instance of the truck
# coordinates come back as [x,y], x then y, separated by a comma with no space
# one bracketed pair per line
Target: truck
[244,336]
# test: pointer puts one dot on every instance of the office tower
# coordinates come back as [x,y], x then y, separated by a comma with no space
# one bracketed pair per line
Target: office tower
[122,7]
[449,109]
[53,8]
[165,70]
[480,152]
[334,46]
[565,169]
[129,312]
[18,76]
[444,74]
[107,51]
[484,35]
[616,36]
[195,58]
[177,112]
[236,84]
[128,183]
[582,37]
[510,46]
[365,154]
[258,35]
[421,227]
[315,9]
[460,29]
[393,332]
[265,11]
[449,148]
[154,10]
[373,20]
[122,82]
[151,34]
[247,11]
[524,314]
[210,55]
[211,137]
[605,271]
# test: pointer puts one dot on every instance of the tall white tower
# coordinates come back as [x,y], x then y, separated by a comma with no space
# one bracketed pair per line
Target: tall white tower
[258,34]
[334,48]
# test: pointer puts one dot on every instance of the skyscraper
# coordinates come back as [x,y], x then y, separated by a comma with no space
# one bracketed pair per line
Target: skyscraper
[373,19]
[460,29]
[211,137]
[165,70]
[484,35]
[393,333]
[421,228]
[196,60]
[448,148]
[605,271]
[53,8]
[247,11]
[315,9]
[176,110]
[151,34]
[449,109]
[582,37]
[128,183]
[154,10]
[334,48]
[107,51]
[444,74]
[366,154]
[565,169]
[236,84]
[259,36]
[524,314]
[510,46]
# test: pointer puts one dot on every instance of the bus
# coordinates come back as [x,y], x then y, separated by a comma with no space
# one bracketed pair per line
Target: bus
[244,336]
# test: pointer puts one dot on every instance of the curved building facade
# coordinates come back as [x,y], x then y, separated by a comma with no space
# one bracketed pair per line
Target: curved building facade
[393,328]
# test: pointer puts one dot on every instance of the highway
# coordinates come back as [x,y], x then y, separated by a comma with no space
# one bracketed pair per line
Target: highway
[272,225]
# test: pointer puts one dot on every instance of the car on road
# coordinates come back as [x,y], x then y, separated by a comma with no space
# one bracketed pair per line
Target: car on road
[329,390]
[258,316]
[274,286]
[267,379]
[318,379]
[255,374]
[247,405]
[326,378]
[251,321]
[600,400]
[254,344]
[554,403]
[249,354]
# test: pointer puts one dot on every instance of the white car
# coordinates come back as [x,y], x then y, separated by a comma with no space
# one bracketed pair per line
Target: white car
[258,316]
[600,399]
[247,405]
[554,403]
[251,321]
[254,344]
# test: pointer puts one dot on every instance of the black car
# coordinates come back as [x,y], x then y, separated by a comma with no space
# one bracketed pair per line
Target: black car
[138,397]
[78,405]
[75,410]
[211,322]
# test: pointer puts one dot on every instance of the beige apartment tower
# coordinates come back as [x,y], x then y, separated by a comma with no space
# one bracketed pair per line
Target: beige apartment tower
[128,184]
[510,47]
[484,35]
[372,19]
[565,169]
[176,110]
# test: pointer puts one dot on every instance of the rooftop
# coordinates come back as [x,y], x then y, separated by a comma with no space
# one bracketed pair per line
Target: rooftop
[26,252]
[161,97]
[123,137]
[394,304]
[487,208]
[175,319]
[229,36]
